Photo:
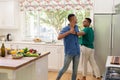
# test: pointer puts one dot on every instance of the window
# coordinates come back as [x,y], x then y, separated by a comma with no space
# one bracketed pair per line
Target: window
[46,23]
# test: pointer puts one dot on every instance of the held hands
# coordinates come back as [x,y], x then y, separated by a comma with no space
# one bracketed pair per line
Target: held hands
[72,31]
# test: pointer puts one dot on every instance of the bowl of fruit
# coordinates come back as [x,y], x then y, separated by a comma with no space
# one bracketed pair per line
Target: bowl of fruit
[31,52]
[16,54]
[9,50]
[37,40]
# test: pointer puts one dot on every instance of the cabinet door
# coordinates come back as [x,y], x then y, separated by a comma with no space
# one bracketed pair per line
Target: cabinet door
[54,58]
[60,52]
[116,2]
[7,14]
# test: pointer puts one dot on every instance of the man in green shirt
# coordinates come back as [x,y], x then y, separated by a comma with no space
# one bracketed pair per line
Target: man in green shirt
[87,49]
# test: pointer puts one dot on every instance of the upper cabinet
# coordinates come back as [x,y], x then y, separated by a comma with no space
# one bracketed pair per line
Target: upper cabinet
[116,2]
[9,14]
[104,6]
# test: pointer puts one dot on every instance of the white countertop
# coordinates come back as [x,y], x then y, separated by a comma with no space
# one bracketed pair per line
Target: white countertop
[35,43]
[9,63]
[108,64]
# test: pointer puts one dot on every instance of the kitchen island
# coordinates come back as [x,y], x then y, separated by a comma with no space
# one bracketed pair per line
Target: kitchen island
[26,68]
[56,57]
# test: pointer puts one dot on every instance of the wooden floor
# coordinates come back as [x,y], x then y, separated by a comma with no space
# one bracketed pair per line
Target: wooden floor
[67,76]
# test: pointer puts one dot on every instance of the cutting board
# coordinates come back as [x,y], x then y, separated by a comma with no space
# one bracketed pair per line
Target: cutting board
[115,60]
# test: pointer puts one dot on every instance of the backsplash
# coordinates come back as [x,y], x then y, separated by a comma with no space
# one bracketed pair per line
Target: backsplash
[16,34]
[2,37]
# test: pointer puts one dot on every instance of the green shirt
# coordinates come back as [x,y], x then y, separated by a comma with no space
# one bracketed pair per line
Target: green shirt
[88,38]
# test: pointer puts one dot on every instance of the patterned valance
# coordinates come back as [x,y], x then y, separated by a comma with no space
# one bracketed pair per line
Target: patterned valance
[55,4]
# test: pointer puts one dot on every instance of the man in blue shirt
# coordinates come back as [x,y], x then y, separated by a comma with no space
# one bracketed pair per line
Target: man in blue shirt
[71,46]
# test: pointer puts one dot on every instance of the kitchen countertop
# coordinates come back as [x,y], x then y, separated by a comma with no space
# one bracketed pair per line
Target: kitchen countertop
[9,63]
[108,63]
[35,43]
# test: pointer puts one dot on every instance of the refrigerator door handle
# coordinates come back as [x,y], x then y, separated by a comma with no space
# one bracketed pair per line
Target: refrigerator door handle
[110,40]
[113,35]
[113,31]
[110,36]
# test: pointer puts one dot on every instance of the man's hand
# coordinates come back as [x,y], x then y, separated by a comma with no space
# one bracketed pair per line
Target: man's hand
[81,33]
[72,31]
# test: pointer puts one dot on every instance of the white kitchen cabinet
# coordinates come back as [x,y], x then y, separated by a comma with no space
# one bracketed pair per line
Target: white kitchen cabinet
[116,2]
[8,14]
[54,58]
[103,6]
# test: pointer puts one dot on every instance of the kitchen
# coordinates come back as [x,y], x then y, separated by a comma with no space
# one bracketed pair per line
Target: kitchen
[23,23]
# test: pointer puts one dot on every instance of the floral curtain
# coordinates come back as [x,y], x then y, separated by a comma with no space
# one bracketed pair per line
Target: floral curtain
[55,4]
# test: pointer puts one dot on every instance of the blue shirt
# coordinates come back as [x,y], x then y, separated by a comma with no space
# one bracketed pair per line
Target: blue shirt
[71,44]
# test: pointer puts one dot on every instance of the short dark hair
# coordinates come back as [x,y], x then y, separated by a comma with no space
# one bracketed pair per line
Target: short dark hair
[70,15]
[89,20]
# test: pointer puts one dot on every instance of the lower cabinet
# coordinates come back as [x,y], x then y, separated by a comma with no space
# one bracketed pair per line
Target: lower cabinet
[54,58]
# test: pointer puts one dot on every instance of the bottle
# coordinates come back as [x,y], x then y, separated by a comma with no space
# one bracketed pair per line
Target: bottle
[3,50]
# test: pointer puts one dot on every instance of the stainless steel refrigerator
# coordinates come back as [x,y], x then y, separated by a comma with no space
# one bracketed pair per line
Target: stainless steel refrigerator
[107,38]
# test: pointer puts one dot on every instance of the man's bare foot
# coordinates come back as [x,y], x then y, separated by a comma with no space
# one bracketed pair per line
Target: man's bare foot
[97,77]
[83,78]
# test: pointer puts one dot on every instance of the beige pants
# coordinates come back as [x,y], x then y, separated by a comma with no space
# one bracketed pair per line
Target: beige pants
[88,56]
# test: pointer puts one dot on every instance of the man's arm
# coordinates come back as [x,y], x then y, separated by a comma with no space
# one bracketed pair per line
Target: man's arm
[81,33]
[61,36]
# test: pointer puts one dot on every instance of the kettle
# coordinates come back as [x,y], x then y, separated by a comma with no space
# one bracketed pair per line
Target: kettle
[9,37]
